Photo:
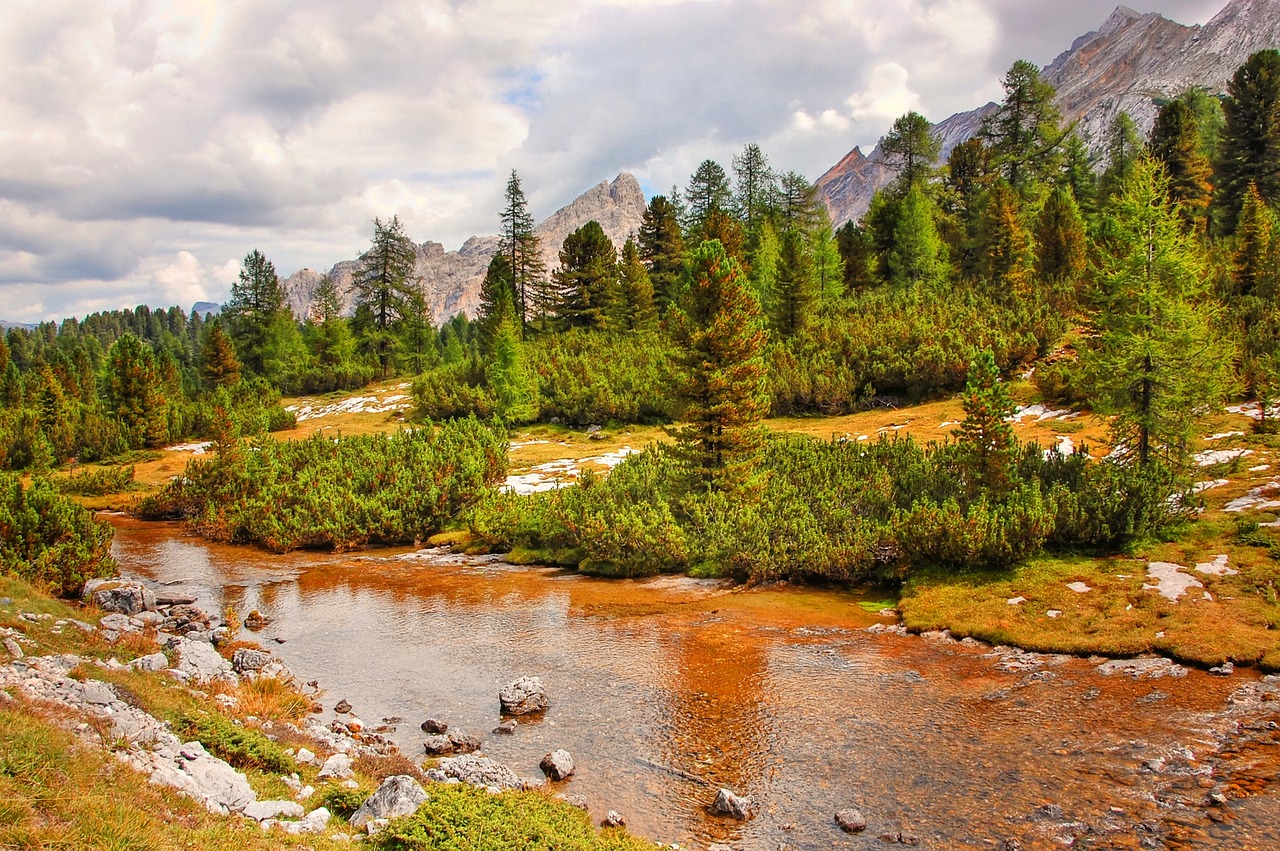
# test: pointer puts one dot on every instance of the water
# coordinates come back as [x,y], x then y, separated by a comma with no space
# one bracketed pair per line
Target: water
[665,690]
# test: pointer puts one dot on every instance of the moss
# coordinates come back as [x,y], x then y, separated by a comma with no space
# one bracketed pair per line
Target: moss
[241,746]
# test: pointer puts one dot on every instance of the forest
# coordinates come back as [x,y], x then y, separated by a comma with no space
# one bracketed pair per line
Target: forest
[1142,286]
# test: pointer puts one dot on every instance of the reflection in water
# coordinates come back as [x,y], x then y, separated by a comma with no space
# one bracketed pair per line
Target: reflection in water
[665,690]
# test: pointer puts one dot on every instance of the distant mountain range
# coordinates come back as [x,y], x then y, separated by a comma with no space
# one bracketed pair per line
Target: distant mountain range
[5,325]
[1128,64]
[451,279]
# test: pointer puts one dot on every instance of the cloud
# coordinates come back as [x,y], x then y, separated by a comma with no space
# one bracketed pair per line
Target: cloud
[147,145]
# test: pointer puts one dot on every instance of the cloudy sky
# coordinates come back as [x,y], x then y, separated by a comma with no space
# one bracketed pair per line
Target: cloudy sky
[147,145]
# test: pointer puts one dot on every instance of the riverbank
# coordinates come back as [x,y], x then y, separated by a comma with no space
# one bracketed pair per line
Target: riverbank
[131,731]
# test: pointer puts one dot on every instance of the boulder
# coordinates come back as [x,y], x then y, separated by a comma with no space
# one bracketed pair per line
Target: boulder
[97,693]
[507,728]
[115,595]
[336,767]
[450,744]
[613,819]
[248,659]
[305,757]
[315,822]
[342,707]
[399,795]
[557,765]
[851,821]
[434,727]
[263,810]
[255,621]
[732,806]
[476,771]
[119,623]
[578,801]
[523,697]
[201,662]
[222,786]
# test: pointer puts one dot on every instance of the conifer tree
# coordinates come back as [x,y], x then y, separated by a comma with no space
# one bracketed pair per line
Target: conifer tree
[854,246]
[800,205]
[219,367]
[797,287]
[662,250]
[523,251]
[1060,245]
[917,255]
[718,329]
[587,280]
[721,227]
[1256,264]
[1175,142]
[764,265]
[910,149]
[1024,133]
[1123,149]
[513,384]
[1156,359]
[1003,251]
[497,298]
[755,186]
[1078,174]
[257,300]
[636,311]
[988,447]
[708,192]
[383,288]
[133,391]
[1249,149]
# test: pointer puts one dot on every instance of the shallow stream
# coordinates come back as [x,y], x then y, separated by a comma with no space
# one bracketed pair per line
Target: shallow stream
[665,690]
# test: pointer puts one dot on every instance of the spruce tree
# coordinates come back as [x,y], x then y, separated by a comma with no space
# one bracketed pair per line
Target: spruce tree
[988,447]
[1024,133]
[1156,360]
[1078,174]
[1249,148]
[219,367]
[523,251]
[383,288]
[717,327]
[797,287]
[1123,149]
[497,297]
[587,280]
[257,300]
[1060,246]
[911,150]
[662,250]
[918,253]
[635,311]
[708,192]
[1175,142]
[755,186]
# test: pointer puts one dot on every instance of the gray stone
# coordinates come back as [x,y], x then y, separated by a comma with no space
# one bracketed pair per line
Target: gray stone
[557,765]
[613,819]
[399,795]
[126,598]
[81,625]
[523,697]
[149,619]
[167,600]
[6,601]
[315,822]
[263,810]
[97,693]
[1226,669]
[119,623]
[851,821]
[199,661]
[732,806]
[305,757]
[12,648]
[478,771]
[507,728]
[248,659]
[437,745]
[336,767]
[578,801]
[218,782]
[154,662]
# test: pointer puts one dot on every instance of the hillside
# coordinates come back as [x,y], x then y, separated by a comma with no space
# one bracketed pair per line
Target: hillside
[1128,64]
[451,279]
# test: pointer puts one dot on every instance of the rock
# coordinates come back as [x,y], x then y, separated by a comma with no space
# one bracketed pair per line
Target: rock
[153,663]
[336,767]
[507,728]
[201,662]
[1226,669]
[851,821]
[11,647]
[523,697]
[478,771]
[578,801]
[6,601]
[114,595]
[248,659]
[263,810]
[149,619]
[97,693]
[81,625]
[342,707]
[613,819]
[119,623]
[437,745]
[315,822]
[732,806]
[166,600]
[218,782]
[1149,667]
[434,727]
[354,724]
[255,621]
[399,795]
[557,765]
[900,839]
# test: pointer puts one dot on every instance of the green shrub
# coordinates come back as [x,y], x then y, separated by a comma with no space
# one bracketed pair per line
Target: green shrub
[240,746]
[341,801]
[96,482]
[49,540]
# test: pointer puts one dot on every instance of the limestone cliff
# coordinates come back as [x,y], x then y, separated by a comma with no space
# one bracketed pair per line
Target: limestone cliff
[1128,64]
[451,279]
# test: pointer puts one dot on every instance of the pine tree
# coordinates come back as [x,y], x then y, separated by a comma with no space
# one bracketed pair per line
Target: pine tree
[1078,174]
[1003,251]
[718,329]
[219,367]
[587,280]
[1060,245]
[797,288]
[662,250]
[1175,142]
[854,246]
[1123,149]
[1256,264]
[256,300]
[134,392]
[1249,149]
[988,447]
[1156,360]
[910,149]
[708,192]
[507,375]
[721,227]
[497,298]
[1023,133]
[523,251]
[383,287]
[800,205]
[918,253]
[636,309]
[755,186]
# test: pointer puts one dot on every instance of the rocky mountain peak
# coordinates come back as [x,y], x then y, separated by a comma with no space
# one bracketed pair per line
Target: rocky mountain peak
[451,279]
[1120,18]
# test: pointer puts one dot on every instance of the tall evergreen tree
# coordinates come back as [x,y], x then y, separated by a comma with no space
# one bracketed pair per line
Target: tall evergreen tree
[1024,132]
[257,300]
[1003,249]
[333,345]
[798,289]
[1175,142]
[1256,263]
[918,253]
[718,329]
[636,309]
[1249,149]
[985,437]
[755,186]
[1060,246]
[662,250]
[708,192]
[134,393]
[910,149]
[383,288]
[1156,359]
[587,280]
[497,299]
[1078,174]
[219,367]
[1124,146]
[854,246]
[523,251]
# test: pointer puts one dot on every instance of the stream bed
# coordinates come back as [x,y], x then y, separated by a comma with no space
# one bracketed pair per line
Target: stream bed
[667,689]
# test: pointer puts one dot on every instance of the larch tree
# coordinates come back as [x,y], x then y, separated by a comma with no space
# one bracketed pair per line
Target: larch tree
[662,250]
[910,149]
[523,251]
[708,192]
[1249,147]
[798,289]
[1156,361]
[1124,146]
[382,285]
[918,253]
[1060,246]
[718,327]
[987,445]
[1024,133]
[755,186]
[497,299]
[1002,244]
[218,364]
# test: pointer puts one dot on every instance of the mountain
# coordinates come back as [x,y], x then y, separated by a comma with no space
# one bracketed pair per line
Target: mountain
[451,279]
[5,325]
[206,308]
[1129,64]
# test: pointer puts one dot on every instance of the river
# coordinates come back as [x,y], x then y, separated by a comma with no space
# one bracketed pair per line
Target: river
[665,690]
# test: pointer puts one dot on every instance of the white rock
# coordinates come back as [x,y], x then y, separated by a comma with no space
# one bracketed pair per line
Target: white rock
[1079,587]
[1171,582]
[398,795]
[263,810]
[336,767]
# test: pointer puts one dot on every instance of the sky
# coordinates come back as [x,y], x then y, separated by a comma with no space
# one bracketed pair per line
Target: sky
[146,146]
